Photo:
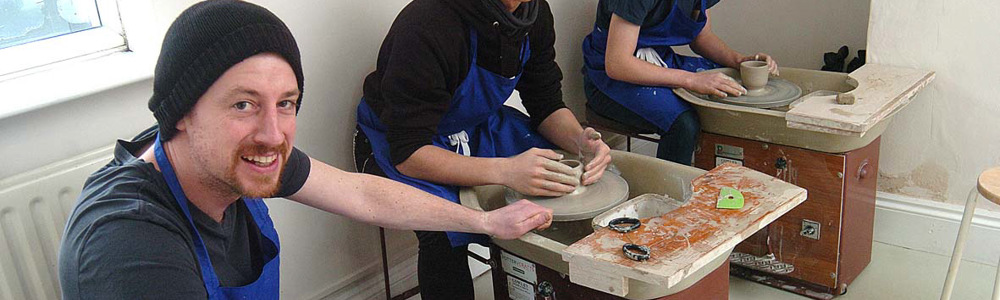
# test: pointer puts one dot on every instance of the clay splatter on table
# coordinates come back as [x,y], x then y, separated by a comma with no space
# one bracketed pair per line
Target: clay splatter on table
[687,238]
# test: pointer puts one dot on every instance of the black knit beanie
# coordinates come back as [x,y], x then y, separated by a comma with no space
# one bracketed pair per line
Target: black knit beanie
[205,41]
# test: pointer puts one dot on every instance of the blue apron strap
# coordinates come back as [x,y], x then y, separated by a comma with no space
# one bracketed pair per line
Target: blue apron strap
[207,271]
[260,213]
[267,284]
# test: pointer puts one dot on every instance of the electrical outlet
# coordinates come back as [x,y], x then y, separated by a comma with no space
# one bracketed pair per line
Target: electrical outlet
[810,229]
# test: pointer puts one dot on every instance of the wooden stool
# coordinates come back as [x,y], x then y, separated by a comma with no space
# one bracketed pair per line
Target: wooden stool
[599,122]
[989,188]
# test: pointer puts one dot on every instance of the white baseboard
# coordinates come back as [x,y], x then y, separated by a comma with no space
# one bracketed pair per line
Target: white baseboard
[369,283]
[932,227]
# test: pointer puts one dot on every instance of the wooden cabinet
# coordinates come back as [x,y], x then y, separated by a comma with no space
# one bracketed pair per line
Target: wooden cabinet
[827,239]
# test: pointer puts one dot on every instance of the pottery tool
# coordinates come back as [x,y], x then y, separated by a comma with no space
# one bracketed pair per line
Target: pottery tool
[730,198]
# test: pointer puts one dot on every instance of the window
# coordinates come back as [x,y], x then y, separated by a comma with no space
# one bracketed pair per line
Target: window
[39,33]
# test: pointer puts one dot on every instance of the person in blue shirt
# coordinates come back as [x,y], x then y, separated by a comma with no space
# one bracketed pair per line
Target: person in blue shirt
[621,86]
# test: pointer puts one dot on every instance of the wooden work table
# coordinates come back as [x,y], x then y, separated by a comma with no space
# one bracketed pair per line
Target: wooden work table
[686,239]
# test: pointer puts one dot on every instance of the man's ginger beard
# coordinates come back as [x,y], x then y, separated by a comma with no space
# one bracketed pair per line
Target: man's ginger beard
[267,185]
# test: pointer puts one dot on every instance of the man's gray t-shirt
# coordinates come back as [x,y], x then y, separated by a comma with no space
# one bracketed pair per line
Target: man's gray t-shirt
[127,238]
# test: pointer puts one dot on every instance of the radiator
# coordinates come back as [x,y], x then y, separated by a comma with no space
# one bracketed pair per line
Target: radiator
[33,211]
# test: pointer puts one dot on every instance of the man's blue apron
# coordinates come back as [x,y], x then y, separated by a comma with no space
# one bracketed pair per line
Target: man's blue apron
[266,286]
[658,105]
[476,124]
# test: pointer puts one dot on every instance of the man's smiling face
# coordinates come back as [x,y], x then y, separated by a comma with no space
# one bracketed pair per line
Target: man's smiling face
[241,131]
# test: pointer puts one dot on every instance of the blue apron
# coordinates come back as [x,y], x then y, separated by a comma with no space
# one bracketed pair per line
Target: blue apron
[266,286]
[658,105]
[476,124]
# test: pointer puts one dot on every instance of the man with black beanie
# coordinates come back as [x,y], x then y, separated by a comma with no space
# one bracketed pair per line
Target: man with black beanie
[433,116]
[178,212]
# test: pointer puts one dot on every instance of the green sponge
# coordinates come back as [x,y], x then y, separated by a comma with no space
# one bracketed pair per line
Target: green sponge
[730,198]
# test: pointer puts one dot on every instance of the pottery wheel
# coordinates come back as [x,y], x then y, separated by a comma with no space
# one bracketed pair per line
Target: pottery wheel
[584,203]
[778,92]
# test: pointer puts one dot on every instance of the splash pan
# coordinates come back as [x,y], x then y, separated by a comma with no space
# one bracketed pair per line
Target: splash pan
[814,121]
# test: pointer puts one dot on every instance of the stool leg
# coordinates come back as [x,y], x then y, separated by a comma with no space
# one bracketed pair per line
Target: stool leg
[956,255]
[996,285]
[628,143]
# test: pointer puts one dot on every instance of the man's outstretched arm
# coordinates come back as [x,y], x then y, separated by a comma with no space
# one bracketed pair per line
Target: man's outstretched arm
[391,204]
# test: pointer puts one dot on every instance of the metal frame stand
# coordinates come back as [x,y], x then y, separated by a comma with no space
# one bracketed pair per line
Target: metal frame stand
[385,273]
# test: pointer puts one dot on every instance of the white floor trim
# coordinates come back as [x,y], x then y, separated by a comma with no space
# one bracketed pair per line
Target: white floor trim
[932,227]
[403,276]
[369,284]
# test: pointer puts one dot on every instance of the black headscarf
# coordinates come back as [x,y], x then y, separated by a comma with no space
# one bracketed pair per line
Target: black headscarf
[482,14]
[520,19]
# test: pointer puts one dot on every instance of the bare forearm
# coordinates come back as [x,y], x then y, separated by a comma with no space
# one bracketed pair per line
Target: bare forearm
[442,166]
[634,70]
[383,202]
[710,46]
[562,128]
[622,65]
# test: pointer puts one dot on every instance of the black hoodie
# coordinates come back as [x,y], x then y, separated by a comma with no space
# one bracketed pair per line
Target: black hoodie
[425,56]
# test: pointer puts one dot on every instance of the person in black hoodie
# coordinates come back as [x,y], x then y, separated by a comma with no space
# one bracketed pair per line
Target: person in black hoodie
[433,116]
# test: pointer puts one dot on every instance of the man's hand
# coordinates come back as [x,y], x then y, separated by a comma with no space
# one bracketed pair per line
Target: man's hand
[772,65]
[714,84]
[537,172]
[516,219]
[597,152]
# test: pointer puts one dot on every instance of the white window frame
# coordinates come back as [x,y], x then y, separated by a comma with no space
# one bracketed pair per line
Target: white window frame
[39,55]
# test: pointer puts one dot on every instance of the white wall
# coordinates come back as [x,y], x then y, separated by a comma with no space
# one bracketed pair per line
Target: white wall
[936,148]
[795,32]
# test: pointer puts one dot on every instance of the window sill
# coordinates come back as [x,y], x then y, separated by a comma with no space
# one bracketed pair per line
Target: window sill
[72,80]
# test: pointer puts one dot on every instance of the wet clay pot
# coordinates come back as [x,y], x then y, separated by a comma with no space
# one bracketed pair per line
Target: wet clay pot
[754,74]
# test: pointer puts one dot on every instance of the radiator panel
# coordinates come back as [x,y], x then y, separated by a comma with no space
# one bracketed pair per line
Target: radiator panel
[33,210]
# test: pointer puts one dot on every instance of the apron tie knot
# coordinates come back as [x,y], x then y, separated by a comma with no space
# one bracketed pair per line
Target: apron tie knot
[460,141]
[651,56]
